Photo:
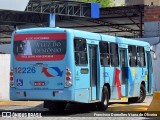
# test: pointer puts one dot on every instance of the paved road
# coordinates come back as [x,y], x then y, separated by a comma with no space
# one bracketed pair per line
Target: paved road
[75,110]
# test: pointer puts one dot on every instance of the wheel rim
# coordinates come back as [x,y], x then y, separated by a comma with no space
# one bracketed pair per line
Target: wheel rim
[105,102]
[105,99]
[141,94]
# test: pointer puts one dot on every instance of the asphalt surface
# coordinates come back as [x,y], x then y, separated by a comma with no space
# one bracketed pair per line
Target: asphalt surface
[35,110]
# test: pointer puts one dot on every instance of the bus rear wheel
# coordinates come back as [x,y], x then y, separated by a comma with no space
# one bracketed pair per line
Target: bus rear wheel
[141,98]
[103,105]
[142,94]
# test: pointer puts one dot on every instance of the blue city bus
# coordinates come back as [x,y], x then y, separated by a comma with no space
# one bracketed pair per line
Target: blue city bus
[59,66]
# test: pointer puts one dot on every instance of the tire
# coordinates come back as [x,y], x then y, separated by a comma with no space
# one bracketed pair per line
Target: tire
[142,94]
[139,99]
[133,100]
[103,105]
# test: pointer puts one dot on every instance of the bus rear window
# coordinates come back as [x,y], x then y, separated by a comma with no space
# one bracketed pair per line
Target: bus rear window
[40,46]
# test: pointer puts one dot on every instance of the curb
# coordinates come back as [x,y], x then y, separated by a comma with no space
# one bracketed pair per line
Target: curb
[26,103]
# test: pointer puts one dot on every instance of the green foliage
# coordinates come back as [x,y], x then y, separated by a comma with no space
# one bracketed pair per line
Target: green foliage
[103,3]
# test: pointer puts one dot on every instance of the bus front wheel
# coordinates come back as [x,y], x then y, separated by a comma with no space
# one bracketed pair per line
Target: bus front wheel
[105,99]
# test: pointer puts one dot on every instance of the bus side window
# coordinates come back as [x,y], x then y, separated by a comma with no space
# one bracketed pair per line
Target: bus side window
[104,53]
[80,50]
[114,54]
[141,57]
[132,52]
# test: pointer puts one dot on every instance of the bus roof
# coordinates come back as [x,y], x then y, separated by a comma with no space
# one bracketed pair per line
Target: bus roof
[85,34]
[124,40]
[131,41]
[39,30]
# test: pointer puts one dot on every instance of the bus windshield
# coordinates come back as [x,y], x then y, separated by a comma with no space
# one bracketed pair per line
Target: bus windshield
[39,46]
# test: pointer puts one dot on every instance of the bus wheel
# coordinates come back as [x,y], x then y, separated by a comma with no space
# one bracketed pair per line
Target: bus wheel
[139,99]
[142,94]
[132,100]
[105,99]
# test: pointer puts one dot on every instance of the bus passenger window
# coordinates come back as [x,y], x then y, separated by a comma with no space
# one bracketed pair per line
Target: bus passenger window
[141,57]
[80,50]
[104,54]
[132,52]
[114,54]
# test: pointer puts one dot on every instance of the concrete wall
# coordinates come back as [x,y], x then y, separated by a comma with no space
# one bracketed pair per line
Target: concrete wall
[151,21]
[5,48]
[152,29]
[4,76]
[156,67]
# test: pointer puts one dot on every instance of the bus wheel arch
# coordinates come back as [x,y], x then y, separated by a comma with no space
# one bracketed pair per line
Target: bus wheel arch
[109,89]
[103,105]
[142,96]
[143,83]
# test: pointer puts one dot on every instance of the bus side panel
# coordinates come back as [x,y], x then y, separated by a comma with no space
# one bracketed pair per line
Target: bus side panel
[132,82]
[82,84]
[141,76]
[82,95]
[108,75]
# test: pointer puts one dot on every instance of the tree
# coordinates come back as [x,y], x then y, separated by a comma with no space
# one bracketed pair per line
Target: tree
[103,3]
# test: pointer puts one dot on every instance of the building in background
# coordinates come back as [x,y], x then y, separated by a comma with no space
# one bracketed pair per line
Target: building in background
[152,2]
[142,2]
[118,2]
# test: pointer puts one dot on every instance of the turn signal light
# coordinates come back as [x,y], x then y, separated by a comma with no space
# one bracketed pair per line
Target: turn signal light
[68,73]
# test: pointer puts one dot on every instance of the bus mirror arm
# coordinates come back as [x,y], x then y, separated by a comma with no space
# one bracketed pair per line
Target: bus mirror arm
[154,54]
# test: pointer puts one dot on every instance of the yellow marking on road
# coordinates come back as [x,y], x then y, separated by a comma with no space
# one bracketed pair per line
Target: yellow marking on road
[127,107]
[123,98]
[4,103]
[118,105]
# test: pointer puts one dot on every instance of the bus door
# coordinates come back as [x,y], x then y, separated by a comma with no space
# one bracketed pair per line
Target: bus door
[124,73]
[150,73]
[93,70]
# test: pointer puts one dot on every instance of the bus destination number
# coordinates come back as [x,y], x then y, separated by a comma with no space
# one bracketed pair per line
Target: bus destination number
[25,70]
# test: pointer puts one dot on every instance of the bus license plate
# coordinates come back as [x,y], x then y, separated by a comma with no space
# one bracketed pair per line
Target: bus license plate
[39,83]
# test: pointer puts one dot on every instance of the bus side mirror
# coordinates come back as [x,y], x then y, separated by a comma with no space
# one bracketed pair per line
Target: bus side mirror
[154,56]
[154,53]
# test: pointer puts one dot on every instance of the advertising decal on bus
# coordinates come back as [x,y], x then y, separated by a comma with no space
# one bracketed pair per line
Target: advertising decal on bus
[39,47]
[56,69]
[131,82]
[117,82]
